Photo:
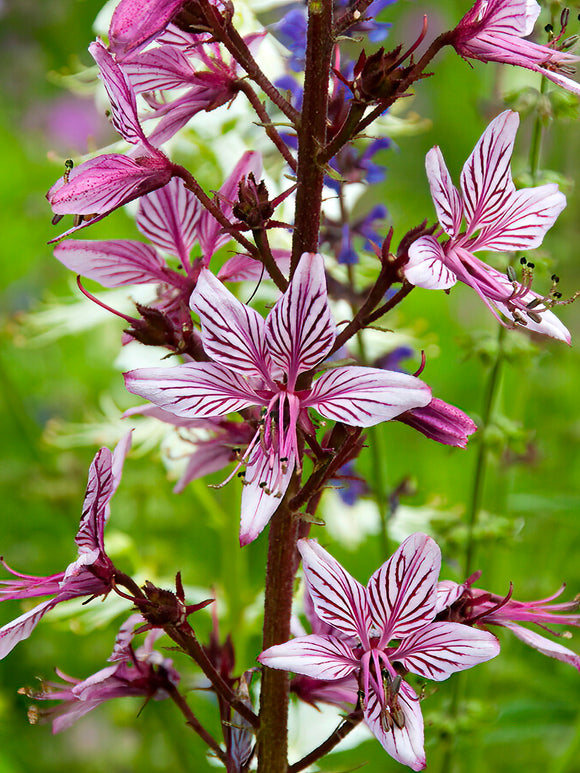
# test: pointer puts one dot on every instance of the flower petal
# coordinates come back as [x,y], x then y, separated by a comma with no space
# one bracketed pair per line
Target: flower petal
[523,221]
[363,397]
[113,263]
[338,598]
[193,390]
[547,647]
[299,328]
[120,93]
[233,334]
[265,483]
[321,657]
[401,592]
[100,489]
[169,217]
[445,195]
[404,744]
[447,593]
[136,22]
[441,649]
[426,266]
[21,628]
[486,180]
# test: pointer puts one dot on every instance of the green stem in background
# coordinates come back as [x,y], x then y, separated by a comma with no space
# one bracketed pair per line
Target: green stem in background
[481,462]
[536,143]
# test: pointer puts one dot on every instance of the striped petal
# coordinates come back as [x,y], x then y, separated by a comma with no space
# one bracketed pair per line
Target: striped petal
[445,195]
[426,265]
[525,217]
[547,647]
[299,327]
[21,628]
[265,483]
[193,390]
[402,593]
[338,598]
[113,263]
[321,657]
[363,397]
[441,649]
[168,217]
[404,744]
[486,180]
[121,95]
[233,334]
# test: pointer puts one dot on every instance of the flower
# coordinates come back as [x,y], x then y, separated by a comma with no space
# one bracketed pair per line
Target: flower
[93,571]
[380,633]
[492,31]
[98,186]
[134,672]
[136,22]
[442,422]
[498,218]
[475,606]
[257,363]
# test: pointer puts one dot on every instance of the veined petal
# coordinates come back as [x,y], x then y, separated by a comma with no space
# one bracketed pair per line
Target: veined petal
[363,397]
[104,183]
[100,488]
[447,593]
[136,22]
[445,195]
[321,657]
[233,334]
[21,628]
[169,217]
[161,68]
[193,390]
[265,482]
[547,647]
[299,327]
[441,649]
[486,180]
[113,263]
[426,266]
[404,744]
[338,598]
[525,217]
[120,93]
[401,592]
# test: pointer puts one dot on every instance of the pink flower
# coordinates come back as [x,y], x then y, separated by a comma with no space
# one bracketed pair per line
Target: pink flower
[498,218]
[442,422]
[136,22]
[91,574]
[257,363]
[380,632]
[134,672]
[97,187]
[474,606]
[493,31]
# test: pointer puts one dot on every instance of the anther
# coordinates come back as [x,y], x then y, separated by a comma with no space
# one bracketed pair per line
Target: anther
[549,29]
[511,274]
[555,278]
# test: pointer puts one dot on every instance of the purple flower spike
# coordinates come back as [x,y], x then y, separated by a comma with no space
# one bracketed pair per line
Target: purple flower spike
[493,31]
[498,218]
[101,185]
[475,606]
[136,22]
[93,571]
[134,672]
[257,363]
[376,628]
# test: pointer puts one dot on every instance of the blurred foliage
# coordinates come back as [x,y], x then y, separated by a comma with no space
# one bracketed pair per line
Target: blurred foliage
[518,712]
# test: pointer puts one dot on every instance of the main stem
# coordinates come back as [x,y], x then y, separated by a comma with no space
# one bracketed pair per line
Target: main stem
[312,129]
[281,568]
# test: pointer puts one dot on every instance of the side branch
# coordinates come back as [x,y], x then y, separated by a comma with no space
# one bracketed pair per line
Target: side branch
[350,722]
[193,722]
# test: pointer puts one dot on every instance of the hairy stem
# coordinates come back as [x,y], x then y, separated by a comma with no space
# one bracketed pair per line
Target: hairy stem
[281,568]
[312,130]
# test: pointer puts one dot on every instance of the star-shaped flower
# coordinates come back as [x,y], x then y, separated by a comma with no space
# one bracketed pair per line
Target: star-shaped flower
[498,218]
[379,633]
[256,362]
